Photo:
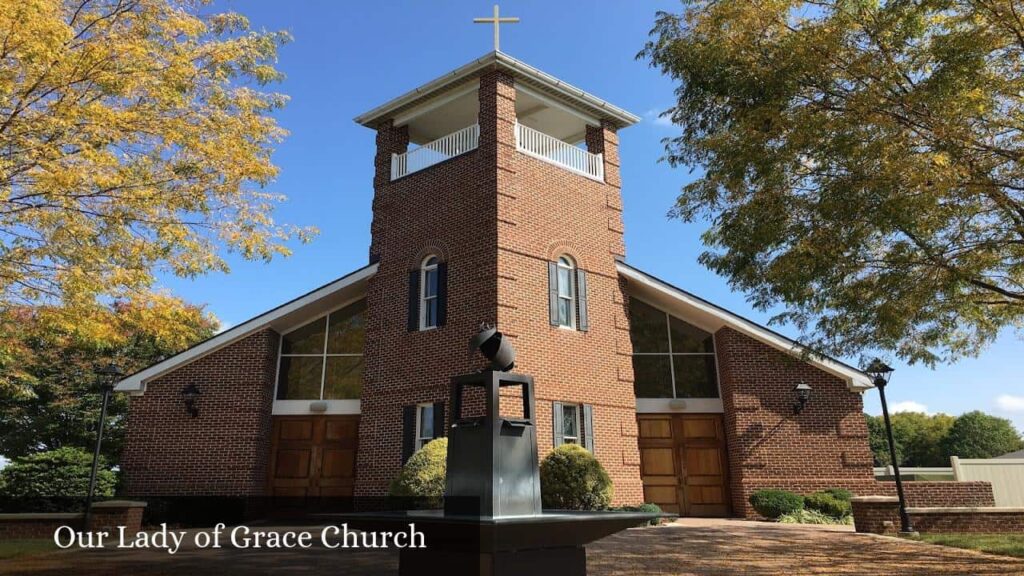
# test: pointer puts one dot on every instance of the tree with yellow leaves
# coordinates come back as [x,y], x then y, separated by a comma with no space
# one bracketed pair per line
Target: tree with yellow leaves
[135,139]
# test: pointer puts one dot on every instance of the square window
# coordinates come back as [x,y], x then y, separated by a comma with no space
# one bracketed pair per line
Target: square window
[299,377]
[343,379]
[695,376]
[652,376]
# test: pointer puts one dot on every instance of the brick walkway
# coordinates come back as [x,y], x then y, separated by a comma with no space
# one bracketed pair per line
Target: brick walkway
[687,547]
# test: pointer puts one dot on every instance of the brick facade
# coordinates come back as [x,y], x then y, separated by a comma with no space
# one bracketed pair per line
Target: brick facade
[770,447]
[496,217]
[931,494]
[224,451]
[880,514]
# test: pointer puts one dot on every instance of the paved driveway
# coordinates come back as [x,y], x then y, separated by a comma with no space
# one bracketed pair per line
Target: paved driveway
[682,548]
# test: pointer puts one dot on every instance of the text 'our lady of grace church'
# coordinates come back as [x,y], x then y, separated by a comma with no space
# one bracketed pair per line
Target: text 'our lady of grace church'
[497,199]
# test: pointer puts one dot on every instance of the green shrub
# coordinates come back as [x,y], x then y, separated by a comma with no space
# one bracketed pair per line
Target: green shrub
[774,503]
[826,503]
[56,480]
[646,507]
[420,484]
[572,479]
[839,493]
[813,517]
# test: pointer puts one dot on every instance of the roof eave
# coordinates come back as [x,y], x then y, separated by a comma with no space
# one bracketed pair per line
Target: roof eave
[621,117]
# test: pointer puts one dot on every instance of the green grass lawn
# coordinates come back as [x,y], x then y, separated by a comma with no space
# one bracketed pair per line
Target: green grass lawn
[14,548]
[1005,544]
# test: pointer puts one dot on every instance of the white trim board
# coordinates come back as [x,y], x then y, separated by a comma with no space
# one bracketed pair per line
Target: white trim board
[304,407]
[136,383]
[679,405]
[856,380]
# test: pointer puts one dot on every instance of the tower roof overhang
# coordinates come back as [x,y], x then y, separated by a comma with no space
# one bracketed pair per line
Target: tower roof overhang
[529,76]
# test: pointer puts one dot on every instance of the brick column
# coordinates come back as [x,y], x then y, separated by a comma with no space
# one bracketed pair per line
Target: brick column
[390,140]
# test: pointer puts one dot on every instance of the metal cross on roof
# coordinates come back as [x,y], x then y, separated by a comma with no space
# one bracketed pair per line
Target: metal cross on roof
[497,20]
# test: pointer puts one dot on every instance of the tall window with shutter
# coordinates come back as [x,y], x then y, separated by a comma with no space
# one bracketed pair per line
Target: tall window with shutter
[572,424]
[421,423]
[567,294]
[428,295]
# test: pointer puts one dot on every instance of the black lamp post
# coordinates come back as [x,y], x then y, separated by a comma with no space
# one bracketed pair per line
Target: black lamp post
[109,375]
[880,374]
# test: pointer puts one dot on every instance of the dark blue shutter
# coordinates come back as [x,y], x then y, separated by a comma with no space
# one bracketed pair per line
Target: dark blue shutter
[582,321]
[439,430]
[408,432]
[588,427]
[442,293]
[414,300]
[556,423]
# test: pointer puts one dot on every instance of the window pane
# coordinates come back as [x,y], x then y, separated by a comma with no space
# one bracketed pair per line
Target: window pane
[564,312]
[344,378]
[299,378]
[695,376]
[306,340]
[564,282]
[647,328]
[652,377]
[430,283]
[689,338]
[347,329]
[427,421]
[570,430]
[430,313]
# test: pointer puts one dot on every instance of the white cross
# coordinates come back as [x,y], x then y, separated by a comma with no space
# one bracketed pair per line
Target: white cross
[497,21]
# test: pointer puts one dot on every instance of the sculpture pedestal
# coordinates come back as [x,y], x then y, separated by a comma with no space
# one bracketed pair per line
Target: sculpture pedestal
[535,545]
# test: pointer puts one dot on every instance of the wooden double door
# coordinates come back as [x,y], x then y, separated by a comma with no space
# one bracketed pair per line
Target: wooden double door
[683,463]
[312,461]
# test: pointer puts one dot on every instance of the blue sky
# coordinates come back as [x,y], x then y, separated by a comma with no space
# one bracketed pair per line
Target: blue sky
[348,57]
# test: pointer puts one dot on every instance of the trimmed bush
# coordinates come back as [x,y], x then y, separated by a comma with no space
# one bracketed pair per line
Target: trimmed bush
[646,507]
[572,479]
[826,503]
[56,480]
[420,484]
[839,493]
[812,517]
[774,503]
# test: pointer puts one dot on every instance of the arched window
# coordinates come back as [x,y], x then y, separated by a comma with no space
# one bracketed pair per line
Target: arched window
[429,293]
[566,280]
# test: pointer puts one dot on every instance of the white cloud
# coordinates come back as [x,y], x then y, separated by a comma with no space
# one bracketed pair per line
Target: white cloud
[654,117]
[1010,403]
[909,406]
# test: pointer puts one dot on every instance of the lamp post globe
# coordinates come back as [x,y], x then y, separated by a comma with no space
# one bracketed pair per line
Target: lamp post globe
[108,376]
[880,373]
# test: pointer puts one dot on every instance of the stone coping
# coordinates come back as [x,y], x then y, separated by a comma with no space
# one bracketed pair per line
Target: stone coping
[119,504]
[40,516]
[967,510]
[875,499]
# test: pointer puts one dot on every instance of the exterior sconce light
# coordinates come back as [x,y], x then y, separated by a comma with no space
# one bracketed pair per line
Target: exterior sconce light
[803,394]
[190,396]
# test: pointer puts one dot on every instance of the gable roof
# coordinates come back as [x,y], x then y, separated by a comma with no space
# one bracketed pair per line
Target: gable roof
[712,317]
[522,71]
[312,303]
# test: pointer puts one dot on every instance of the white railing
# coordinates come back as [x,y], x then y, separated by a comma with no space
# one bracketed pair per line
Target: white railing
[435,152]
[553,150]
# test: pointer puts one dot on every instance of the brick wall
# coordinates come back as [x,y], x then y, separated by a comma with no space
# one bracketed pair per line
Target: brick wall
[222,452]
[497,217]
[929,494]
[880,515]
[770,447]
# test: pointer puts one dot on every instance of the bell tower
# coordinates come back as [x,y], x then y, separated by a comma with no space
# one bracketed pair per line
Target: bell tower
[497,199]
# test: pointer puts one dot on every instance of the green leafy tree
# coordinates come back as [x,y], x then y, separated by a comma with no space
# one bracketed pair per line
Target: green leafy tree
[52,364]
[878,443]
[921,437]
[52,480]
[978,435]
[861,164]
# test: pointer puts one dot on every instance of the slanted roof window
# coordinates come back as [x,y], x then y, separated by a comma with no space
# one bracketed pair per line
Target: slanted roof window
[671,358]
[323,360]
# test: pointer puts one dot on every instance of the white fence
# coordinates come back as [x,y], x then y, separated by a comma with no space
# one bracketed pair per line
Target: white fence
[918,471]
[550,149]
[435,152]
[1005,474]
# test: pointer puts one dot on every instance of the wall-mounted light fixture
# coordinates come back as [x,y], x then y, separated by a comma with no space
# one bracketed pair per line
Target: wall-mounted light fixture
[803,394]
[190,396]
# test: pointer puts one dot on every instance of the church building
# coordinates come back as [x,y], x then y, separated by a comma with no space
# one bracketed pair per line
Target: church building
[498,200]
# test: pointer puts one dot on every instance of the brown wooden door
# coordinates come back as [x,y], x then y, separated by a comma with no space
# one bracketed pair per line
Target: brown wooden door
[312,458]
[683,463]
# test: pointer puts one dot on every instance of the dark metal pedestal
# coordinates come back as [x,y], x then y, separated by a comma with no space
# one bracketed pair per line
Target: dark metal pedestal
[536,545]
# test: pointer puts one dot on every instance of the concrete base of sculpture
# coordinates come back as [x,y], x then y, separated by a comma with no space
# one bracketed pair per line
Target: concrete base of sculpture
[535,545]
